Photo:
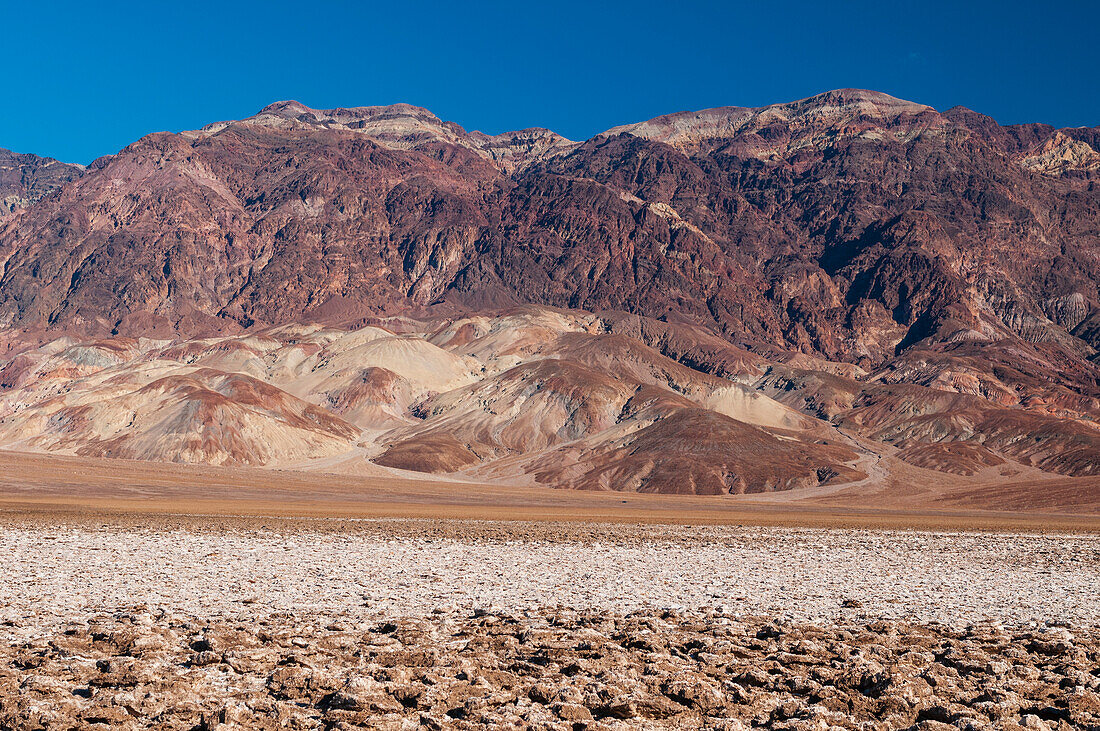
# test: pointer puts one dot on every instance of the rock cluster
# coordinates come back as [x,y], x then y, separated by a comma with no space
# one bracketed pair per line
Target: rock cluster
[548,669]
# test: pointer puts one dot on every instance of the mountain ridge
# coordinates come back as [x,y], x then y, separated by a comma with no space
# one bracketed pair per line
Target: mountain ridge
[851,245]
[867,97]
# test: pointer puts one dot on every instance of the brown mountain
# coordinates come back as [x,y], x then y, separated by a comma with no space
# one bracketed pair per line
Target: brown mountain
[918,278]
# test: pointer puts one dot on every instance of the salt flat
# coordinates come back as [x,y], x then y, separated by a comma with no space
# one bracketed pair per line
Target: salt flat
[408,624]
[412,568]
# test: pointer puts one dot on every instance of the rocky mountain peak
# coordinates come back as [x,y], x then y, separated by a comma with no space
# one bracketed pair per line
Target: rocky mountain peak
[25,178]
[397,126]
[512,151]
[828,111]
[405,127]
[855,101]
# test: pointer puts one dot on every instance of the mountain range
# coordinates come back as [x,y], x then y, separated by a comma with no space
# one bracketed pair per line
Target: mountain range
[825,292]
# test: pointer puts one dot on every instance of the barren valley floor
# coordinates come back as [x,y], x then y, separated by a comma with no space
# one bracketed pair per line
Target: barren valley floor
[50,488]
[137,595]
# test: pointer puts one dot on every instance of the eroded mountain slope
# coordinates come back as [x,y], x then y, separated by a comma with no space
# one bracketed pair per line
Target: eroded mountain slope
[850,226]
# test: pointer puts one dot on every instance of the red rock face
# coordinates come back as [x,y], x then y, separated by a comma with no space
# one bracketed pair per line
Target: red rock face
[920,248]
[24,179]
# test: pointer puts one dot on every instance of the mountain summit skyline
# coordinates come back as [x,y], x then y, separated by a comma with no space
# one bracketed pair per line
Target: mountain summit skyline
[577,71]
[286,109]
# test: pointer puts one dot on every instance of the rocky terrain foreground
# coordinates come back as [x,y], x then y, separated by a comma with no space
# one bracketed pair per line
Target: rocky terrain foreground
[407,624]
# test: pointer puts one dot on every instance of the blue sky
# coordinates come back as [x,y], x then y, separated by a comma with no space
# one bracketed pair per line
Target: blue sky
[85,79]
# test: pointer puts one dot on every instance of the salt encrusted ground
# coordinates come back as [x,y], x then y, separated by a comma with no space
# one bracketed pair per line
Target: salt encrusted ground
[422,623]
[394,567]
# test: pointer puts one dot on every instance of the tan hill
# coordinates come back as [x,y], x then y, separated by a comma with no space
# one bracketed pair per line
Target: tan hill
[517,395]
[527,395]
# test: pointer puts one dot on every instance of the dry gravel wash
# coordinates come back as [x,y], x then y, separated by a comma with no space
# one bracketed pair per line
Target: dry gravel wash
[408,623]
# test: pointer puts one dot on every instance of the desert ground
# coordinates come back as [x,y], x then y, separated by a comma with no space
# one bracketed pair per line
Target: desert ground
[48,488]
[140,595]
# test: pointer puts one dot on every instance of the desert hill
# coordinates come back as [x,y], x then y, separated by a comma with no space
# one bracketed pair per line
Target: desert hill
[525,395]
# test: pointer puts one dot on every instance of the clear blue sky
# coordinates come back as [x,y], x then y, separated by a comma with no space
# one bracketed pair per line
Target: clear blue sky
[83,79]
